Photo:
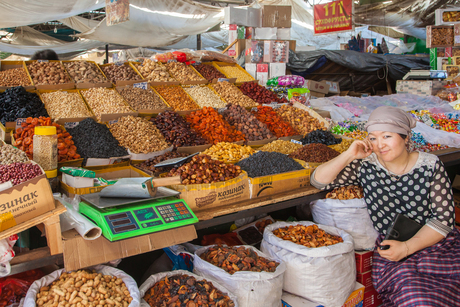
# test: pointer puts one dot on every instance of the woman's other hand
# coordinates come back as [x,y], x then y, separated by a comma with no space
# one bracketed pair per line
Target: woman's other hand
[396,251]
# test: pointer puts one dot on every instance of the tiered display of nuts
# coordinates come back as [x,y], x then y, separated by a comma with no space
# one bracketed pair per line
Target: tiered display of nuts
[348,192]
[212,126]
[119,73]
[442,36]
[149,165]
[176,130]
[203,169]
[299,119]
[48,73]
[317,153]
[229,152]
[310,236]
[140,99]
[104,101]
[14,77]
[235,72]
[284,147]
[274,122]
[185,290]
[154,71]
[209,72]
[61,104]
[260,94]
[83,71]
[19,172]
[182,72]
[9,154]
[247,123]
[343,146]
[231,94]
[138,135]
[234,259]
[83,288]
[205,97]
[176,97]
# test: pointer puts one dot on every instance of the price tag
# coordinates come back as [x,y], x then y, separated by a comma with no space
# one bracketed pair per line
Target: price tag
[115,57]
[19,121]
[196,63]
[118,63]
[172,61]
[113,121]
[296,142]
[42,61]
[254,109]
[142,85]
[222,80]
[221,110]
[70,125]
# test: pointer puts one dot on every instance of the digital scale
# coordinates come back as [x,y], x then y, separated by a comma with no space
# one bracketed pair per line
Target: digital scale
[425,75]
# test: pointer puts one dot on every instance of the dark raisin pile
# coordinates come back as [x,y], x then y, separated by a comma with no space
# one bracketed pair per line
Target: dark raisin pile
[264,163]
[16,103]
[320,137]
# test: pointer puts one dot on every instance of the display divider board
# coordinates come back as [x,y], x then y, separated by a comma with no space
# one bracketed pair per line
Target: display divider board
[108,117]
[289,138]
[193,149]
[156,83]
[106,161]
[261,142]
[64,121]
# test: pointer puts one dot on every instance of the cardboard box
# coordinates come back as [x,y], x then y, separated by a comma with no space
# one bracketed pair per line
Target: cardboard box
[317,95]
[262,77]
[235,16]
[262,67]
[5,131]
[80,253]
[265,33]
[452,71]
[251,68]
[77,182]
[365,279]
[279,51]
[319,87]
[419,87]
[334,87]
[232,36]
[254,17]
[276,16]
[283,33]
[364,261]
[447,16]
[446,41]
[277,69]
[371,298]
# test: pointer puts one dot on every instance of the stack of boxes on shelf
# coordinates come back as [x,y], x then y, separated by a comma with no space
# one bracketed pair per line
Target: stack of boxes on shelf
[364,277]
[264,35]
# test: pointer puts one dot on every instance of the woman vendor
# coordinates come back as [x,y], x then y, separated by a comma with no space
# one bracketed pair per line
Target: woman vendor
[424,270]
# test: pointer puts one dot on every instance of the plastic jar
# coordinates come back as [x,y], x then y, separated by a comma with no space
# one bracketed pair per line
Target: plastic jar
[53,180]
[45,147]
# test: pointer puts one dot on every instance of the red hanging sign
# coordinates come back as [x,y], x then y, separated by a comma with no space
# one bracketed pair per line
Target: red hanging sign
[333,16]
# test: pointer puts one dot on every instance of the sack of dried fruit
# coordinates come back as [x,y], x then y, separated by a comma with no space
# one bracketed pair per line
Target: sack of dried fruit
[323,272]
[255,278]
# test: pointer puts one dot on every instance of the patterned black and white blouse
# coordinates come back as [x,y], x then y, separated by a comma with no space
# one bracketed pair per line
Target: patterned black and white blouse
[423,193]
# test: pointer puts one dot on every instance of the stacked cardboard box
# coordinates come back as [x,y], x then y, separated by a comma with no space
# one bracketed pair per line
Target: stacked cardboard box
[364,276]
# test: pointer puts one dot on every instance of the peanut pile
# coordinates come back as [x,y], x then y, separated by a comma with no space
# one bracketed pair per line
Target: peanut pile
[63,104]
[82,71]
[14,77]
[309,236]
[119,73]
[235,72]
[154,71]
[48,73]
[247,123]
[104,101]
[228,152]
[231,94]
[348,192]
[284,147]
[182,72]
[205,97]
[140,99]
[176,97]
[299,119]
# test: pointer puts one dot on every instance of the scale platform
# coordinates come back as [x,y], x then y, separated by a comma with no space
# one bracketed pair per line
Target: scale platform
[138,217]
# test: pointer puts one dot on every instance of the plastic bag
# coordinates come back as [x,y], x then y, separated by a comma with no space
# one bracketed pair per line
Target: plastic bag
[300,95]
[344,214]
[289,80]
[325,275]
[105,270]
[435,136]
[12,290]
[253,289]
[163,57]
[6,254]
[150,282]
[230,239]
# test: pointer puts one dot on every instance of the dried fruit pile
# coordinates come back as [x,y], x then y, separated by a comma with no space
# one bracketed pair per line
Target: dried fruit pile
[177,98]
[260,94]
[234,259]
[348,192]
[149,165]
[248,124]
[231,94]
[268,163]
[317,153]
[343,146]
[176,130]
[274,122]
[309,236]
[119,73]
[322,137]
[209,72]
[299,119]
[229,152]
[185,290]
[284,147]
[16,103]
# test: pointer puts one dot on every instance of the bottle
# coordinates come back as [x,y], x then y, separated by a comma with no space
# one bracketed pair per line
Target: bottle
[53,180]
[45,147]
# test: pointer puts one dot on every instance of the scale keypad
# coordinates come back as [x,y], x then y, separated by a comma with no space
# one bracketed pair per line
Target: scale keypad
[174,212]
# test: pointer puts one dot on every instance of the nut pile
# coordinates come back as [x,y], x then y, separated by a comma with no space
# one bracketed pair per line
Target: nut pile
[138,135]
[84,72]
[14,77]
[154,71]
[228,152]
[61,104]
[274,122]
[451,16]
[299,119]
[317,153]
[105,101]
[83,288]
[9,154]
[234,259]
[284,147]
[176,97]
[182,72]
[119,73]
[177,130]
[231,94]
[235,72]
[310,236]
[19,172]
[140,99]
[244,121]
[268,163]
[343,146]
[48,73]
[442,36]
[209,72]
[348,192]
[205,97]
[203,169]
[260,94]
[185,290]
[322,137]
[212,126]
[16,103]
[149,165]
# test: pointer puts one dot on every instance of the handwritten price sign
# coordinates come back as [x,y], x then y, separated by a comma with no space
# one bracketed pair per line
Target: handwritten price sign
[333,16]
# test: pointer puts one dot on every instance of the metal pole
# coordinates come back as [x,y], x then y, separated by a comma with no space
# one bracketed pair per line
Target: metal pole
[106,54]
[198,42]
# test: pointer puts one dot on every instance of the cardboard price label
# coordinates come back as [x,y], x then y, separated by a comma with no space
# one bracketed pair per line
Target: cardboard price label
[70,125]
[296,142]
[42,61]
[19,121]
[118,63]
[222,80]
[142,85]
[113,121]
[172,61]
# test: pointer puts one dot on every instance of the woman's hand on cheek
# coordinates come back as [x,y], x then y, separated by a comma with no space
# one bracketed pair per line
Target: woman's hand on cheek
[360,149]
[396,251]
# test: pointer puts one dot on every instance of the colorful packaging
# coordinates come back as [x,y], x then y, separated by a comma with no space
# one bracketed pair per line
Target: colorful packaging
[288,80]
[300,95]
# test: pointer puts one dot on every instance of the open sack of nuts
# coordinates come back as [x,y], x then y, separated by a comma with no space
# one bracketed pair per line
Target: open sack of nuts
[100,286]
[182,288]
[325,274]
[254,277]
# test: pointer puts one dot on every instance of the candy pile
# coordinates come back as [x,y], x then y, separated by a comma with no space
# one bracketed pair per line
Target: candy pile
[354,130]
[420,144]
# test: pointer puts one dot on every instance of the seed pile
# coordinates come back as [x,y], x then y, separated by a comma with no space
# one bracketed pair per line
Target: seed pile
[348,192]
[177,130]
[228,152]
[19,172]
[182,72]
[231,94]
[16,103]
[235,72]
[299,119]
[309,236]
[140,99]
[284,147]
[274,122]
[205,97]
[317,153]
[321,137]
[247,123]
[63,104]
[9,154]
[149,165]
[268,163]
[105,101]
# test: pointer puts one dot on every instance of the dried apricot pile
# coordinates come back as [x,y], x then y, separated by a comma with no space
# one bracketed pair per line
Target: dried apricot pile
[309,236]
[274,122]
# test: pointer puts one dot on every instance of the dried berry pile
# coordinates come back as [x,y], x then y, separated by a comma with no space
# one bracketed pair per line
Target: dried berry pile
[247,123]
[149,165]
[268,163]
[309,236]
[317,153]
[19,172]
[209,72]
[299,119]
[234,259]
[16,103]
[202,169]
[348,192]
[95,140]
[322,137]
[274,122]
[185,290]
[260,94]
[177,130]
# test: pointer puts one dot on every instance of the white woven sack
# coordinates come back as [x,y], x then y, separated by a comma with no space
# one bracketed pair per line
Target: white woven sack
[103,269]
[325,275]
[253,289]
[149,282]
[350,215]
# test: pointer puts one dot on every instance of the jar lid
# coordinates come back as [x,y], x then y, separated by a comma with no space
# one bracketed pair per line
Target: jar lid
[52,173]
[45,130]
